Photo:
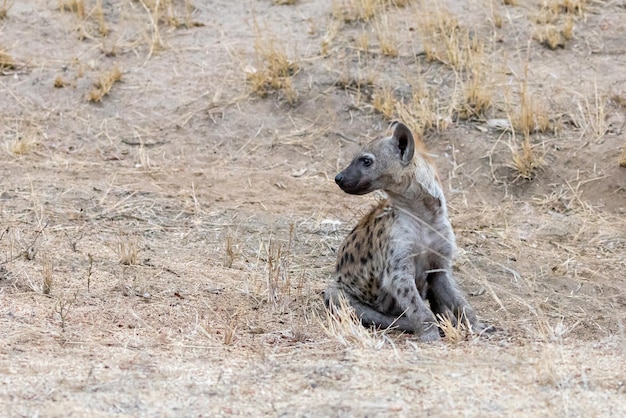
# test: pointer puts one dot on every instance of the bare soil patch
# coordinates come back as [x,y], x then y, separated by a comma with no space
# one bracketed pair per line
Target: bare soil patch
[168,216]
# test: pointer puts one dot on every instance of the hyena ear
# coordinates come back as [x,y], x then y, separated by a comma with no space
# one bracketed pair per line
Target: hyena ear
[403,140]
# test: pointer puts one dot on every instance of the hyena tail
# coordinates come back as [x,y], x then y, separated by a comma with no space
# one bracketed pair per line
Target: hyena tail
[335,299]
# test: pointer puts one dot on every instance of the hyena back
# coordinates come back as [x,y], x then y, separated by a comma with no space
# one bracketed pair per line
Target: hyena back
[395,267]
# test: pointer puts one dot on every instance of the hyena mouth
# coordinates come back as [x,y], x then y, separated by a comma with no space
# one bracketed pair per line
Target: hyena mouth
[355,188]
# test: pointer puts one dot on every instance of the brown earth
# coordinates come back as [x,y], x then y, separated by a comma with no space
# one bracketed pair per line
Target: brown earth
[163,250]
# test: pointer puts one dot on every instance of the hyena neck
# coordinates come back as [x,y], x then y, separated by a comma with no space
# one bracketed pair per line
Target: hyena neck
[420,204]
[420,194]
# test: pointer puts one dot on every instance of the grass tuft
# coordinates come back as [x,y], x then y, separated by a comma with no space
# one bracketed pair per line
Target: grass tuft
[5,6]
[424,111]
[387,36]
[384,103]
[454,333]
[576,7]
[354,10]
[439,33]
[103,85]
[274,70]
[342,325]
[59,82]
[478,87]
[24,141]
[332,29]
[552,37]
[128,250]
[46,284]
[73,6]
[278,256]
[172,13]
[6,61]
[98,13]
[525,161]
[63,308]
[230,252]
[532,114]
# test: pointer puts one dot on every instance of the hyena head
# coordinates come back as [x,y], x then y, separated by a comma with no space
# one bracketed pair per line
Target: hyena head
[384,164]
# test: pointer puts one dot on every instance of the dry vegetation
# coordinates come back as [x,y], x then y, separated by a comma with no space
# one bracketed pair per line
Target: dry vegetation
[103,85]
[4,8]
[274,71]
[6,62]
[163,252]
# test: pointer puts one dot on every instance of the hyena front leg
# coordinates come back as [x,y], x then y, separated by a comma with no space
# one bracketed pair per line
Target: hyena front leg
[401,285]
[446,300]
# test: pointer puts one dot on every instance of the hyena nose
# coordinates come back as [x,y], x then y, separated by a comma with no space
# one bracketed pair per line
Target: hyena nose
[339,178]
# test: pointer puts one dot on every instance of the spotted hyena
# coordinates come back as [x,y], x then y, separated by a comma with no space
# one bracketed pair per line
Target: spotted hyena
[395,267]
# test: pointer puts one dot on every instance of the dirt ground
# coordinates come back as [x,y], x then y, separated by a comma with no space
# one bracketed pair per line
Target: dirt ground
[163,247]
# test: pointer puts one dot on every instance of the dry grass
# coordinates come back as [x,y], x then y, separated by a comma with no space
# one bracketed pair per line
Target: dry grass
[128,250]
[343,325]
[350,11]
[618,99]
[98,13]
[59,82]
[478,96]
[332,29]
[387,36]
[576,7]
[5,7]
[360,81]
[424,111]
[273,70]
[104,84]
[46,282]
[231,252]
[63,307]
[384,103]
[277,267]
[454,333]
[591,115]
[25,139]
[441,36]
[354,10]
[553,36]
[622,158]
[531,115]
[73,6]
[172,13]
[188,228]
[6,61]
[556,23]
[525,161]
[92,21]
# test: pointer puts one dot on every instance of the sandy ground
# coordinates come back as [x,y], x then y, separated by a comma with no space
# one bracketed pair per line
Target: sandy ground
[163,249]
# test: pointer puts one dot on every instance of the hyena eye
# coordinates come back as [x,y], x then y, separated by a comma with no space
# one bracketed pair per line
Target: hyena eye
[366,161]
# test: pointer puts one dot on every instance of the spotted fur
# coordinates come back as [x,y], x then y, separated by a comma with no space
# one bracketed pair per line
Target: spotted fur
[395,267]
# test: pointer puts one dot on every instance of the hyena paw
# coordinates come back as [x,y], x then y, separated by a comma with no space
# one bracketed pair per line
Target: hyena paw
[429,332]
[482,328]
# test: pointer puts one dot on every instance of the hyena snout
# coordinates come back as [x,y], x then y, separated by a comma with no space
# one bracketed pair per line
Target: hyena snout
[348,183]
[353,183]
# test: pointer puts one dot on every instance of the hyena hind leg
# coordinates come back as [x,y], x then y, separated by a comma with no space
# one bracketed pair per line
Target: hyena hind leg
[366,313]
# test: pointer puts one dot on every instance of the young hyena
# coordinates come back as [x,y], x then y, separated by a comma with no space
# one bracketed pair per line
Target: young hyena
[398,257]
